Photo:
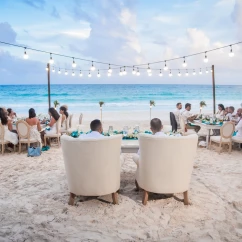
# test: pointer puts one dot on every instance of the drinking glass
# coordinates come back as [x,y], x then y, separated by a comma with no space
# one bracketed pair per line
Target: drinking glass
[125,131]
[136,129]
[110,130]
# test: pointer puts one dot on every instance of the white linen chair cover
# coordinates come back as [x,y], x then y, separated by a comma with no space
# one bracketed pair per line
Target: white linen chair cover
[183,126]
[165,163]
[226,133]
[23,130]
[57,134]
[2,142]
[92,165]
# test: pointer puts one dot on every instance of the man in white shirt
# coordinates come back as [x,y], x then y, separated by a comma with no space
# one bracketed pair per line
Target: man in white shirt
[96,130]
[188,118]
[177,114]
[156,128]
[230,113]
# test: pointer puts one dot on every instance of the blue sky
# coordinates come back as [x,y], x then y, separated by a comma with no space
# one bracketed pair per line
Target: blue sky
[125,32]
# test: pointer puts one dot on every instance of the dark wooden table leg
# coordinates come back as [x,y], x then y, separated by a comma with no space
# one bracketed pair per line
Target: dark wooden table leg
[145,197]
[72,199]
[115,197]
[186,200]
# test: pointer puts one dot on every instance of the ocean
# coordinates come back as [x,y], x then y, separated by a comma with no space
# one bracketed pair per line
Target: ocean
[135,97]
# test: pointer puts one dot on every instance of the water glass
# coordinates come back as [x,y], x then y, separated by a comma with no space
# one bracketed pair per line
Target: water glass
[125,131]
[110,130]
[136,129]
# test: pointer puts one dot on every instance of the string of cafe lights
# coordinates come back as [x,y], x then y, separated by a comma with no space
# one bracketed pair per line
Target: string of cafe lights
[122,68]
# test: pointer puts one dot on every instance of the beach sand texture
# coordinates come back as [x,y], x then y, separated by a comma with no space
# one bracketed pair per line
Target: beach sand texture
[34,196]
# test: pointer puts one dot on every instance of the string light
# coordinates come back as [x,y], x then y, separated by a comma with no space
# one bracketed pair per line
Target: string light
[200,72]
[165,67]
[73,63]
[124,72]
[109,69]
[46,68]
[138,73]
[51,61]
[53,70]
[80,73]
[93,67]
[184,62]
[150,74]
[160,73]
[59,72]
[170,74]
[194,73]
[120,73]
[134,71]
[66,73]
[73,73]
[207,70]
[89,75]
[231,53]
[206,58]
[25,54]
[179,73]
[109,74]
[148,69]
[187,74]
[211,70]
[98,74]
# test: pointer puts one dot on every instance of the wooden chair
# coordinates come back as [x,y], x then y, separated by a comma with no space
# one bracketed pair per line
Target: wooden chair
[183,127]
[70,121]
[23,129]
[55,135]
[2,142]
[66,126]
[80,118]
[226,132]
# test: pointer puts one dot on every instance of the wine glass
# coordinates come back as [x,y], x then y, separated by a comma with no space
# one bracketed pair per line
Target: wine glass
[136,129]
[125,131]
[110,130]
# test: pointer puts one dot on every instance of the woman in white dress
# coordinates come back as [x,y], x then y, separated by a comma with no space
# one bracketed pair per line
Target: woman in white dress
[35,126]
[221,110]
[7,124]
[64,116]
[54,118]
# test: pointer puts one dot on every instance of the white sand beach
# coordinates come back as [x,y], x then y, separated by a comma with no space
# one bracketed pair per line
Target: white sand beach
[34,196]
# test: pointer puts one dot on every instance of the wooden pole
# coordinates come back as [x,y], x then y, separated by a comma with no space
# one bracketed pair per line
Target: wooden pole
[48,75]
[214,100]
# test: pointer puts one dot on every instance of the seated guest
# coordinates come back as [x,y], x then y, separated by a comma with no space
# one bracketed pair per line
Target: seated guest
[54,118]
[221,110]
[7,125]
[177,114]
[238,128]
[156,128]
[34,122]
[188,118]
[226,110]
[230,113]
[64,115]
[96,130]
[11,114]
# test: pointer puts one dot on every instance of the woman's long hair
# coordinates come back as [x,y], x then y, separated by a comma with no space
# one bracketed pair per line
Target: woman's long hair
[54,113]
[63,108]
[3,117]
[221,106]
[9,111]
[32,113]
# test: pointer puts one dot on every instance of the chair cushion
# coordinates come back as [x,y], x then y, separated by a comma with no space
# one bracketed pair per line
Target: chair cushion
[217,139]
[237,139]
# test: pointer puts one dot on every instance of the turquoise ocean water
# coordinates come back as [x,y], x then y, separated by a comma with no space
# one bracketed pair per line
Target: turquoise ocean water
[83,98]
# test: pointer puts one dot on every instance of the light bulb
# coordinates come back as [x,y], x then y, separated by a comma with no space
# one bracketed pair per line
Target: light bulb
[187,74]
[148,69]
[206,70]
[120,73]
[134,71]
[109,69]
[206,58]
[138,73]
[165,67]
[46,68]
[200,72]
[211,70]
[93,67]
[124,72]
[98,74]
[184,63]
[89,75]
[179,74]
[161,74]
[109,74]
[80,74]
[194,73]
[53,70]
[231,53]
[73,63]
[25,54]
[150,74]
[51,61]
[66,73]
[73,73]
[170,74]
[59,72]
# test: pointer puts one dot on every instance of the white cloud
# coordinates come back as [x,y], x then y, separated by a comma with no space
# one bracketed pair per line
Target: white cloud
[197,39]
[167,19]
[81,34]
